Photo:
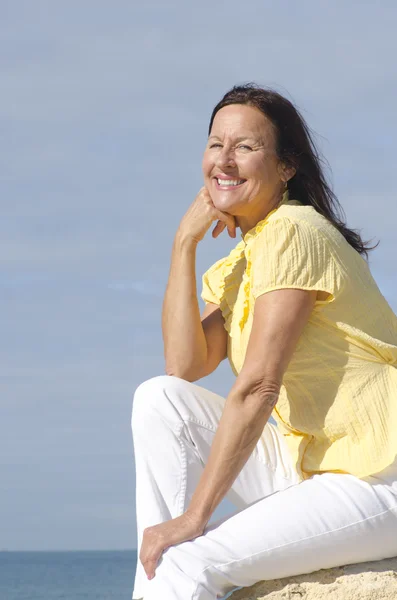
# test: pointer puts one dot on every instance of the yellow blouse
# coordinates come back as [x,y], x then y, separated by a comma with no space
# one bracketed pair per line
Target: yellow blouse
[338,403]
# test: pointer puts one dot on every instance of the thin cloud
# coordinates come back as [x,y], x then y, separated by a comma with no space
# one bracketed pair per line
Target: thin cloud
[148,288]
[104,115]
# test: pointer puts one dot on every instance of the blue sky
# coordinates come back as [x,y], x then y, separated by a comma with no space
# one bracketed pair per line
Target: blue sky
[104,110]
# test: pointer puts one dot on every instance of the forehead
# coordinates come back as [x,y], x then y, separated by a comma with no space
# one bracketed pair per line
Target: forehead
[240,120]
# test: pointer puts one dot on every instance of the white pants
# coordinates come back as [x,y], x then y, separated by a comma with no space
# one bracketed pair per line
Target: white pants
[283,526]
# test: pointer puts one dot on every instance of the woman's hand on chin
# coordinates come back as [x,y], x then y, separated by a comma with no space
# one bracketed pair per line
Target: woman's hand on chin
[158,538]
[199,216]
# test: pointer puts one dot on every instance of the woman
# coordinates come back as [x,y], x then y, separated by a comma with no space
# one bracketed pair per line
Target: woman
[311,341]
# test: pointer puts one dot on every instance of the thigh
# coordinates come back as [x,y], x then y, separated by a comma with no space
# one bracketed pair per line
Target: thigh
[268,470]
[326,521]
[194,412]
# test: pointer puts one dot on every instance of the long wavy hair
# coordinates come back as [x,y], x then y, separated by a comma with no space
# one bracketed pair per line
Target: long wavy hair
[295,147]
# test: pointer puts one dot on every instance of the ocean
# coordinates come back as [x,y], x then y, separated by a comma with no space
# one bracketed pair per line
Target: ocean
[89,575]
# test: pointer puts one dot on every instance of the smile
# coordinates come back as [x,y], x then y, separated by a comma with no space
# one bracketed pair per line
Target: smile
[229,183]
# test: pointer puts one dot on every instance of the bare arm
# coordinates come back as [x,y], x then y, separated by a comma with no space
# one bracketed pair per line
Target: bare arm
[279,319]
[193,345]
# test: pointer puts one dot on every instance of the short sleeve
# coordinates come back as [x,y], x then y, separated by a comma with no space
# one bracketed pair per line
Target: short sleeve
[212,283]
[293,254]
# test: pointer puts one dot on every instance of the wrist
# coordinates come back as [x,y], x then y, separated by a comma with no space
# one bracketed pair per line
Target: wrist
[198,517]
[185,240]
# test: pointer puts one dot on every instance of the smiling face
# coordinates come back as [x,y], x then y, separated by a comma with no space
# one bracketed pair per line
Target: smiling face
[241,169]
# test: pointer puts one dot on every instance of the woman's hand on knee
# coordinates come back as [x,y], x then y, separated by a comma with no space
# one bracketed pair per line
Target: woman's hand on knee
[159,537]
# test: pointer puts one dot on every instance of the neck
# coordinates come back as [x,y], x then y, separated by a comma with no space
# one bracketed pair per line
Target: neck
[247,222]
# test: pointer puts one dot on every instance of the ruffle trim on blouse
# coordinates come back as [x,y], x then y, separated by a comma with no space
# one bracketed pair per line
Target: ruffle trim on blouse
[252,233]
[247,239]
[247,291]
[230,284]
[236,271]
[260,225]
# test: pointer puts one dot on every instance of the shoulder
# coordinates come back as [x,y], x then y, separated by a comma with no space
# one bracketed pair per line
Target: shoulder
[217,269]
[294,248]
[305,218]
[295,238]
[300,216]
[214,278]
[294,226]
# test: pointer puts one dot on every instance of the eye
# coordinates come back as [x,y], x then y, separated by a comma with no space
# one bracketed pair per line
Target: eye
[245,147]
[215,145]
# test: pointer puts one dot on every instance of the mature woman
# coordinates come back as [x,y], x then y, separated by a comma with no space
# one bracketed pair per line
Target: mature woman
[312,342]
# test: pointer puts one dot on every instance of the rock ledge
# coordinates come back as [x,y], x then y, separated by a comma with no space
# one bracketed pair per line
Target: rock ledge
[364,581]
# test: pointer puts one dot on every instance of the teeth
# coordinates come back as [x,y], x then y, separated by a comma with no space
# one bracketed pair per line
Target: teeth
[230,181]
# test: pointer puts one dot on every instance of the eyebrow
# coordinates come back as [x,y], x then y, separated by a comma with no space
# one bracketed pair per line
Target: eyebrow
[239,139]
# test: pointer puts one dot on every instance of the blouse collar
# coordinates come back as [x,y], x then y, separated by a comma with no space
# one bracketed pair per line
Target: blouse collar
[259,226]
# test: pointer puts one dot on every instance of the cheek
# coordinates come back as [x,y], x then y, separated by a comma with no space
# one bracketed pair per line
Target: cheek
[206,165]
[260,170]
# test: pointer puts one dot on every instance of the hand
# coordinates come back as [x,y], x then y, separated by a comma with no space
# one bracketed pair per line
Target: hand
[201,214]
[158,538]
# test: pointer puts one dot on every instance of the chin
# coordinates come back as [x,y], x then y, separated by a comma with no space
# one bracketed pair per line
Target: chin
[228,204]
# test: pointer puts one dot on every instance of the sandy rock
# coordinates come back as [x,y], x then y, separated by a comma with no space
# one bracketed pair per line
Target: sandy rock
[365,581]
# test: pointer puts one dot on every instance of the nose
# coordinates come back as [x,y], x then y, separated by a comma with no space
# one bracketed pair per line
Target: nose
[225,157]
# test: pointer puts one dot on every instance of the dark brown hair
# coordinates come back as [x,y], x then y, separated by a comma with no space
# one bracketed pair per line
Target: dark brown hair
[295,147]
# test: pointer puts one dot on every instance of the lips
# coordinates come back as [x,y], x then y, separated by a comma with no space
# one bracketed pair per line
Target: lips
[228,177]
[228,183]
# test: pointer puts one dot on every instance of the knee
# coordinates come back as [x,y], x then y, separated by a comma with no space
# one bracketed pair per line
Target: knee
[148,395]
[175,578]
[151,396]
[181,571]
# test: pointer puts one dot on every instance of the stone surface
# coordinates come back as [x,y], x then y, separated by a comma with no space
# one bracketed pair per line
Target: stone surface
[364,581]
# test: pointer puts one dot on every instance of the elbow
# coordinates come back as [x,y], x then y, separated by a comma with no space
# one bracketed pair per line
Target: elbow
[263,390]
[183,373]
[173,370]
[188,366]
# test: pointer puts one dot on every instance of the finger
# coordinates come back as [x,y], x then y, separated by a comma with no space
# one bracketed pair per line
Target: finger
[150,568]
[150,563]
[219,227]
[229,222]
[231,231]
[231,227]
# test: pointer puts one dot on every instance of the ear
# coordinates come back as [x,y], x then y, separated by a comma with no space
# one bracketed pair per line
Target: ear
[286,172]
